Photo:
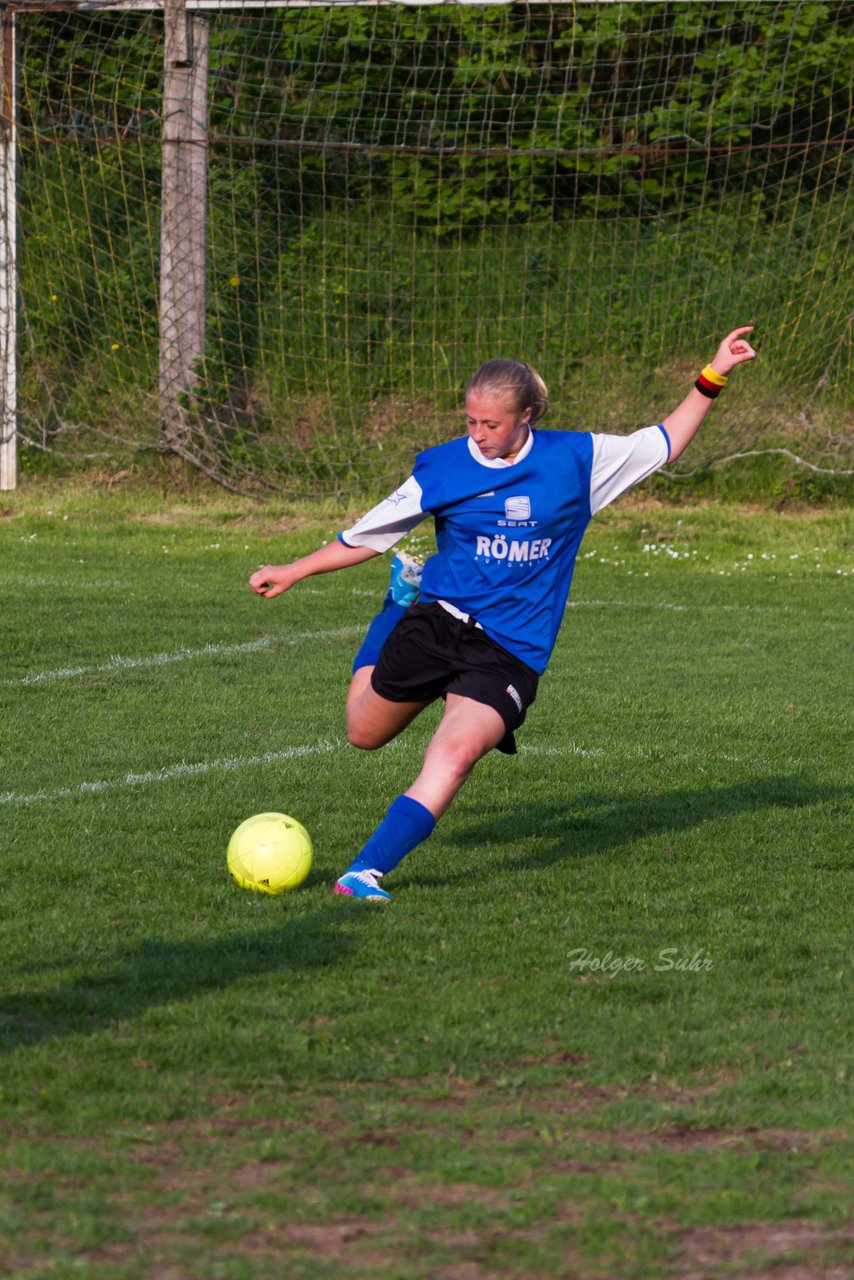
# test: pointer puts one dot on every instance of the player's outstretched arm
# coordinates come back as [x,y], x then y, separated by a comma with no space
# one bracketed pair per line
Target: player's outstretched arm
[684,422]
[273,580]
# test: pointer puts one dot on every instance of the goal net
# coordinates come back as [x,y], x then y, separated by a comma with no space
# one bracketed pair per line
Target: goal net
[376,198]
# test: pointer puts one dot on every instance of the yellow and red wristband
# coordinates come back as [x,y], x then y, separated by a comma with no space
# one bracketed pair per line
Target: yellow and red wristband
[710,382]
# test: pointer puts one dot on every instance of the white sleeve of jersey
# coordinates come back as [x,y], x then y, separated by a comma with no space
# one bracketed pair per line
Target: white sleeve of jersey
[388,522]
[622,461]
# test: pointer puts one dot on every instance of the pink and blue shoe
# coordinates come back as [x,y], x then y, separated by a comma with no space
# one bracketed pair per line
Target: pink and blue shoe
[362,884]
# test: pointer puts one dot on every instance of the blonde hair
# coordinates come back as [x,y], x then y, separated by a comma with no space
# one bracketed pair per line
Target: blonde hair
[528,388]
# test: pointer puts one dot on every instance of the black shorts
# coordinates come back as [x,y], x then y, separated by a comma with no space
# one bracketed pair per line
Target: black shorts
[431,653]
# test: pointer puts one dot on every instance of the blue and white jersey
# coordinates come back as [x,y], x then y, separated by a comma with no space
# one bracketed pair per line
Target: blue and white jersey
[508,533]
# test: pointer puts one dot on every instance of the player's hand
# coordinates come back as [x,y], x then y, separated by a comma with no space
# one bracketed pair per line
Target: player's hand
[271,580]
[735,349]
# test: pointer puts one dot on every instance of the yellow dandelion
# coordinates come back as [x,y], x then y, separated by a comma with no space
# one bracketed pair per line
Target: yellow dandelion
[234,281]
[115,346]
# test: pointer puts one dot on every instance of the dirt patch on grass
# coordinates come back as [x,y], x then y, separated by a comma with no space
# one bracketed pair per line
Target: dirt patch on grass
[412,1193]
[455,1179]
[198,1187]
[684,1137]
[792,1250]
[465,1111]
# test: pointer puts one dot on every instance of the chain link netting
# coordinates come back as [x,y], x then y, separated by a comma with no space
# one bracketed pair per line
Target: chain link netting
[279,250]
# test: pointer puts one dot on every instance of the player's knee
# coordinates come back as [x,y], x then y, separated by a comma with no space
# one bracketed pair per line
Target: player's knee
[459,758]
[360,735]
[358,738]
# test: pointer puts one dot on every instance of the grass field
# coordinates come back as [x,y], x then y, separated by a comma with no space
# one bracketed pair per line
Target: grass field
[602,1031]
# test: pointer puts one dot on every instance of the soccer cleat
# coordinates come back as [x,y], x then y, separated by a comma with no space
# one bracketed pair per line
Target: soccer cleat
[405,579]
[362,884]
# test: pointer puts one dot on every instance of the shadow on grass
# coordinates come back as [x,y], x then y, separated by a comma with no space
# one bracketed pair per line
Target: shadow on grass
[158,971]
[595,823]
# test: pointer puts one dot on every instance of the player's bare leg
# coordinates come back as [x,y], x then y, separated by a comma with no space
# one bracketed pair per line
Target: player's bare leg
[372,721]
[467,732]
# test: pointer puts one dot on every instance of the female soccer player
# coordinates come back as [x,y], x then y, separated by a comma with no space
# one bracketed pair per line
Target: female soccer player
[510,505]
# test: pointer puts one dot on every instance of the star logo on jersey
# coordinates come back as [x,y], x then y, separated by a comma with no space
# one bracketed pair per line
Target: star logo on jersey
[517,508]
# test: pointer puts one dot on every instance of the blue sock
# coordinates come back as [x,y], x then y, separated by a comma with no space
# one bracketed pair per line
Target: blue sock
[405,825]
[378,632]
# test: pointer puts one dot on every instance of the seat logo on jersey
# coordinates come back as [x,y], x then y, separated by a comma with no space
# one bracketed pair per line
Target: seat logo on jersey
[517,508]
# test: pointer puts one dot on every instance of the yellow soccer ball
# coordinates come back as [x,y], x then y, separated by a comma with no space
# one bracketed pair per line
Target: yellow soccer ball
[270,853]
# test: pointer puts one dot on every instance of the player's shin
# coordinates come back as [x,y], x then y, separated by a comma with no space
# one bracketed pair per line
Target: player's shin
[406,824]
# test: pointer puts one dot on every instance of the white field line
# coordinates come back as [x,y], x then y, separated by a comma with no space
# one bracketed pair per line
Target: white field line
[227,764]
[51,583]
[119,663]
[571,749]
[624,604]
[231,764]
